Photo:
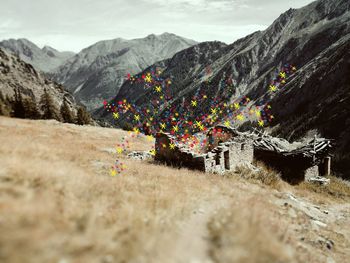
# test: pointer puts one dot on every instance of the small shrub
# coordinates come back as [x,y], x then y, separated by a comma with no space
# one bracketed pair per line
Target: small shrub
[263,175]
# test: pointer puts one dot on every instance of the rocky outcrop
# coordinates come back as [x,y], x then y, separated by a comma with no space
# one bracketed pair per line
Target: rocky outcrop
[17,74]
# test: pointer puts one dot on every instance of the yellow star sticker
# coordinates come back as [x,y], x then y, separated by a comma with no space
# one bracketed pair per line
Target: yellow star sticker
[240,117]
[193,103]
[113,172]
[116,115]
[137,117]
[172,146]
[162,126]
[236,106]
[148,78]
[158,89]
[227,123]
[175,128]
[201,127]
[257,113]
[272,88]
[119,150]
[213,111]
[282,75]
[261,123]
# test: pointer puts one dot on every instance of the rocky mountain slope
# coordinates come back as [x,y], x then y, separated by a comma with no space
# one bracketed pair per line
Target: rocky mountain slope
[46,59]
[315,39]
[97,72]
[17,74]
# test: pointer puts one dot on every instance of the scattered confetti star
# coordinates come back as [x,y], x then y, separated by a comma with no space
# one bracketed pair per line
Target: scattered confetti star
[162,126]
[272,88]
[236,105]
[148,78]
[119,150]
[153,152]
[240,117]
[193,103]
[282,75]
[158,88]
[150,138]
[115,115]
[172,146]
[213,110]
[261,123]
[175,128]
[227,124]
[113,172]
[258,113]
[137,117]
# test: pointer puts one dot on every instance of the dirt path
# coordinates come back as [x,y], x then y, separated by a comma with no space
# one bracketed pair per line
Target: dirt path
[191,242]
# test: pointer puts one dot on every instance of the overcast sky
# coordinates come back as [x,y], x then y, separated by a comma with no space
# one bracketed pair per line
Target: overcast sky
[76,24]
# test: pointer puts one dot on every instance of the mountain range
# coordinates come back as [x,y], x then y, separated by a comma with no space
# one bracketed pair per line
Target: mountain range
[45,59]
[315,99]
[97,72]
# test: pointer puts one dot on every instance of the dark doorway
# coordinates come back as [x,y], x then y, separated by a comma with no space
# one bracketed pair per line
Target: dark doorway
[227,160]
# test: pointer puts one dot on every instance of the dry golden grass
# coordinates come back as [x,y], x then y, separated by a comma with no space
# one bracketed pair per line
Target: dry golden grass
[246,234]
[264,175]
[58,203]
[337,189]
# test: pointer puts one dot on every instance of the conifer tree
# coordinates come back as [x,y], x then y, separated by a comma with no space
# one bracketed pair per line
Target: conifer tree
[48,107]
[66,113]
[83,117]
[17,105]
[31,109]
[5,105]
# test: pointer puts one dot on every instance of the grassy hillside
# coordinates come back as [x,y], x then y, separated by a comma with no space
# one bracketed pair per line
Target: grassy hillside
[58,203]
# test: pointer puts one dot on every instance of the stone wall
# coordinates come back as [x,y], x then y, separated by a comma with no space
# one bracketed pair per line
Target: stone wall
[223,158]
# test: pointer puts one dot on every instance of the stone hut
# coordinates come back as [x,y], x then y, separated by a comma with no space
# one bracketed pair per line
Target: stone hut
[219,156]
[226,148]
[306,162]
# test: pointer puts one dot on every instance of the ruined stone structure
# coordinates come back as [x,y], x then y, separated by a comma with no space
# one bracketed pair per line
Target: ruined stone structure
[230,149]
[223,157]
